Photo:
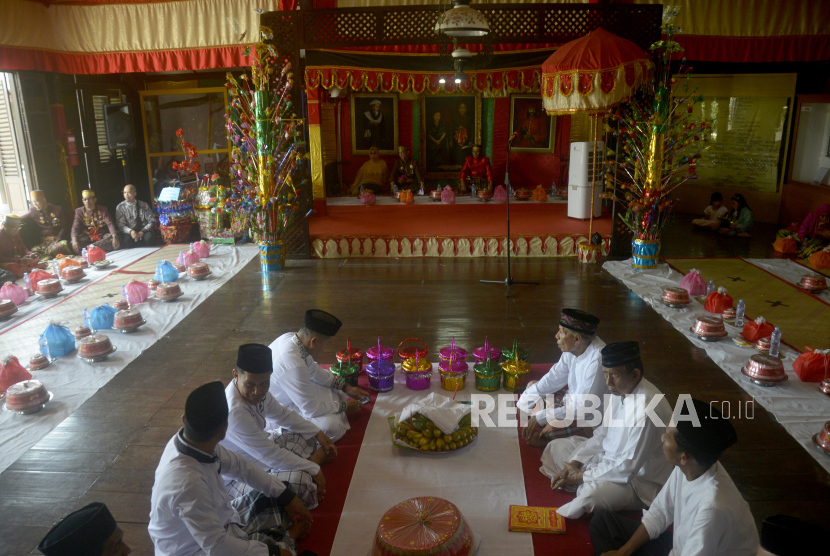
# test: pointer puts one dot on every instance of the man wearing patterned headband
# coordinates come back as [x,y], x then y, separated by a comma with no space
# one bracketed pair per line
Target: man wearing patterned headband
[622,466]
[579,368]
[293,450]
[299,383]
[406,174]
[91,225]
[45,228]
[14,257]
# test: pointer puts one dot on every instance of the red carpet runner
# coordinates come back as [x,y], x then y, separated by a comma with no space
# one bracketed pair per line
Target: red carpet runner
[537,487]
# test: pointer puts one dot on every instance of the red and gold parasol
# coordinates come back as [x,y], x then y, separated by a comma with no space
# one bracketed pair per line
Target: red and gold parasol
[590,75]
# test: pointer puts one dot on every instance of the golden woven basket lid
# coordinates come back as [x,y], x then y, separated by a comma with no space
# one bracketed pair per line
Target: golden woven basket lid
[408,365]
[516,367]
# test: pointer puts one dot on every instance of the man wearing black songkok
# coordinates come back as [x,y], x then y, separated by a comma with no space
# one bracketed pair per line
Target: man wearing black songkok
[783,535]
[708,513]
[299,383]
[621,467]
[294,450]
[90,531]
[191,511]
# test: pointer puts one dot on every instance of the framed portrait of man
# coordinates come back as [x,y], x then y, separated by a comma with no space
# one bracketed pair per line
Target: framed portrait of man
[450,126]
[536,130]
[374,123]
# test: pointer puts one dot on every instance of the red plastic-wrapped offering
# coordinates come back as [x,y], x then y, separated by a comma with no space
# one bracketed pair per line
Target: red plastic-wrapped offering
[426,525]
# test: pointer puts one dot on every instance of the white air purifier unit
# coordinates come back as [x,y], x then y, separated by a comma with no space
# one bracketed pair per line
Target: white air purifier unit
[579,180]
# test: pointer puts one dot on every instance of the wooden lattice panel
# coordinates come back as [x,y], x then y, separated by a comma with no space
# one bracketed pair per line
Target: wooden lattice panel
[297,243]
[513,24]
[341,27]
[409,25]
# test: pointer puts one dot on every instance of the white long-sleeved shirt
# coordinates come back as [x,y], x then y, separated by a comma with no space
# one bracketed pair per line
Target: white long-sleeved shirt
[710,516]
[247,435]
[297,380]
[191,512]
[627,447]
[581,374]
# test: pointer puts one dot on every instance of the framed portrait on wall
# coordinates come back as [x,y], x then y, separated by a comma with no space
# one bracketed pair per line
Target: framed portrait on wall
[374,122]
[537,130]
[450,126]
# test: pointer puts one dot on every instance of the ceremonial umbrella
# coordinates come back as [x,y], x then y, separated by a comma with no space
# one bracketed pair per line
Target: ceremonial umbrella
[590,75]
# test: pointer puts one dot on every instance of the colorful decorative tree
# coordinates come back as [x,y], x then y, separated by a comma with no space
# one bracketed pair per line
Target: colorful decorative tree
[266,135]
[658,144]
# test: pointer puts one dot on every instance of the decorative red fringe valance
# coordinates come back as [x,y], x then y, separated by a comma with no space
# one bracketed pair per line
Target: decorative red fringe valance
[511,80]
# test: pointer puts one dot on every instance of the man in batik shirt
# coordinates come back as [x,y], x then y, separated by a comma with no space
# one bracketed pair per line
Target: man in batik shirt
[93,226]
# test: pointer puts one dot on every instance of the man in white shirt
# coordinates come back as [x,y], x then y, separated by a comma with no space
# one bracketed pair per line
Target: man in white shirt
[90,531]
[299,383]
[579,368]
[191,513]
[621,467]
[709,515]
[294,451]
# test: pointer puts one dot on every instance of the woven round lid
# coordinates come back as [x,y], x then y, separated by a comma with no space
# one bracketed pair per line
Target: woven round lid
[516,367]
[409,365]
[487,367]
[345,368]
[424,525]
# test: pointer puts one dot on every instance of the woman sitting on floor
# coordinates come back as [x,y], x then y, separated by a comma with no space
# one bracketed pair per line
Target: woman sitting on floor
[740,218]
[814,232]
[812,235]
[374,174]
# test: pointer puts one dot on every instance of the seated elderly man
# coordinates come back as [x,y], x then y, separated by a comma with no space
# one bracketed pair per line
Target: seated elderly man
[191,511]
[90,531]
[406,173]
[45,228]
[135,220]
[709,515]
[92,222]
[293,452]
[299,383]
[621,467]
[14,256]
[579,368]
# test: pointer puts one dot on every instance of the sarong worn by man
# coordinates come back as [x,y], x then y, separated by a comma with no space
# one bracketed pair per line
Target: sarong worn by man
[293,451]
[621,467]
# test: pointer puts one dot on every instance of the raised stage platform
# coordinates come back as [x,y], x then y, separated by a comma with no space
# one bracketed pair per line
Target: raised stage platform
[468,228]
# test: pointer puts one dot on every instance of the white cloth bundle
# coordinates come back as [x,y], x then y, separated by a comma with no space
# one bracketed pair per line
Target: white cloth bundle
[441,410]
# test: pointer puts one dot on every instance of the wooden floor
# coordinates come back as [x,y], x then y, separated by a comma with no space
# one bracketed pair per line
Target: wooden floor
[108,449]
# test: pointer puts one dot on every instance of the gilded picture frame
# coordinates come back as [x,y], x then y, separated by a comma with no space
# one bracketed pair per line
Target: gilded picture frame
[374,129]
[537,129]
[445,119]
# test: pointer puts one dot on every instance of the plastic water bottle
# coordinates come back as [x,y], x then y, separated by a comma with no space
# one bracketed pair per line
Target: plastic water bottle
[775,342]
[28,282]
[124,293]
[43,345]
[711,287]
[83,254]
[739,313]
[473,192]
[55,270]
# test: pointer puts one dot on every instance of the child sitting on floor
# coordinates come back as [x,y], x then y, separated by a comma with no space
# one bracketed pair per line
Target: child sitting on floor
[715,212]
[740,219]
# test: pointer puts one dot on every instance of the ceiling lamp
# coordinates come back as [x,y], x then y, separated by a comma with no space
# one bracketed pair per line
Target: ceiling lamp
[462,21]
